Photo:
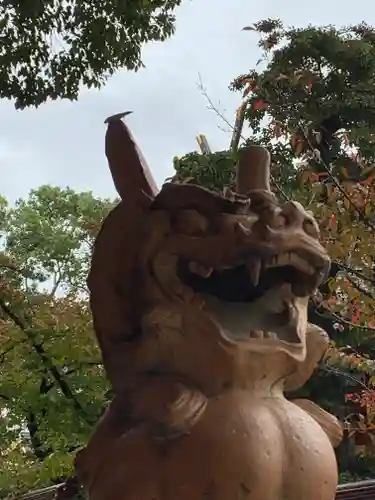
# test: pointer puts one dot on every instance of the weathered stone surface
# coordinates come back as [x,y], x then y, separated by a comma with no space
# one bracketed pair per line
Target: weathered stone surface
[199,302]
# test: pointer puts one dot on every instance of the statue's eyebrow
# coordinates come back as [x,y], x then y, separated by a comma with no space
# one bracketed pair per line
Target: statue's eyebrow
[189,196]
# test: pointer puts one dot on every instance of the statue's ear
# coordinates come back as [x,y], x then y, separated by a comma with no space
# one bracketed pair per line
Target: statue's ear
[116,247]
[131,174]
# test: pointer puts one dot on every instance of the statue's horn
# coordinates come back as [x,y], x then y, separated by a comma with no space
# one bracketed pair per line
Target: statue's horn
[253,170]
[131,175]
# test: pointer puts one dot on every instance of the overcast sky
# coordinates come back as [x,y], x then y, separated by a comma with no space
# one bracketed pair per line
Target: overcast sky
[61,143]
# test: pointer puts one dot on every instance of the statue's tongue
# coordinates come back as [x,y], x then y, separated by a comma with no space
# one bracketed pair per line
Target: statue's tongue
[284,313]
[278,313]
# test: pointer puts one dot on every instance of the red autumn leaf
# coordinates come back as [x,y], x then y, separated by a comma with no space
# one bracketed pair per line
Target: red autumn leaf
[259,105]
[333,222]
[355,316]
[367,182]
[317,176]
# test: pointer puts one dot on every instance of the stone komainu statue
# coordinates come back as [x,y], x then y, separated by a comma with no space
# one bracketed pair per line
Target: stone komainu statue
[200,302]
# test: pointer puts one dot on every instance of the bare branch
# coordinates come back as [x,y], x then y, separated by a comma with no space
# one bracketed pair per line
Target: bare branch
[211,105]
[361,214]
[331,369]
[343,320]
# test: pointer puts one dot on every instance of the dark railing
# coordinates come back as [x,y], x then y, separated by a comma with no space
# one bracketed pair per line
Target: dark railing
[44,494]
[362,490]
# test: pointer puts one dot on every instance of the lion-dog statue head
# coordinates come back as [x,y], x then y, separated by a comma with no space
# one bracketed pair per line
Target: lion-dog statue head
[195,292]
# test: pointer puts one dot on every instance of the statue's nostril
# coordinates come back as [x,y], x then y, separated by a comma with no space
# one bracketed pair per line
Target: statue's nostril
[310,228]
[291,214]
[279,221]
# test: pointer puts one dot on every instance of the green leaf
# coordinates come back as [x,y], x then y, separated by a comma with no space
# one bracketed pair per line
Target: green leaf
[32,70]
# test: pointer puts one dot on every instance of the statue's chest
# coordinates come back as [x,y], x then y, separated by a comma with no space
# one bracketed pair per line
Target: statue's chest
[241,448]
[267,447]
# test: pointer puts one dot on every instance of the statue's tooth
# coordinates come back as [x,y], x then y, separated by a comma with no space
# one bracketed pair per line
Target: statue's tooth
[200,269]
[253,269]
[270,335]
[295,260]
[271,262]
[286,258]
[301,264]
[256,334]
[310,268]
[290,258]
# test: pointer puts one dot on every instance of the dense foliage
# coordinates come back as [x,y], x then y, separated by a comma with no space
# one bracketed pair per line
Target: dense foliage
[311,102]
[52,385]
[49,49]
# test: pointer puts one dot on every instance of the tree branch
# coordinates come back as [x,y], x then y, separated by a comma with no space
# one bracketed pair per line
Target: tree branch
[47,363]
[360,288]
[56,283]
[361,214]
[343,320]
[212,106]
[331,369]
[10,348]
[359,274]
[237,133]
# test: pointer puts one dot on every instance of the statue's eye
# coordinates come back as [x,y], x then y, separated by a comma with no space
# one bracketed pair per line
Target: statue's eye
[190,222]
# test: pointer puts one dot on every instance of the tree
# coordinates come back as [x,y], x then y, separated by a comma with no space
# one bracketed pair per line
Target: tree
[52,385]
[50,49]
[311,102]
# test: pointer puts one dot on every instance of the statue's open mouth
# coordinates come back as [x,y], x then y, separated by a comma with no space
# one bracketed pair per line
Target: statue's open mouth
[256,299]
